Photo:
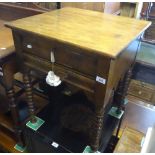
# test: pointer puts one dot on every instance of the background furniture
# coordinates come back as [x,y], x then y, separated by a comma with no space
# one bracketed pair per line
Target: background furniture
[112,8]
[143,84]
[8,69]
[130,141]
[131,9]
[11,123]
[148,13]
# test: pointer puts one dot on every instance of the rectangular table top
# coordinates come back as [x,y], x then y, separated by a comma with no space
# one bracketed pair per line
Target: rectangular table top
[98,32]
[6,42]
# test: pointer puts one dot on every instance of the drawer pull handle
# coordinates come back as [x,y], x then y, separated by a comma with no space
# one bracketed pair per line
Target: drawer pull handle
[139,92]
[52,57]
[29,46]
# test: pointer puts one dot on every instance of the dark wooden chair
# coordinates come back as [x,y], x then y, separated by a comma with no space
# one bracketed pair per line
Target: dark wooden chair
[148,13]
[8,68]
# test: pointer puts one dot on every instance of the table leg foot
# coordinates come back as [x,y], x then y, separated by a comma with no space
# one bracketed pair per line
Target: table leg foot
[114,112]
[20,148]
[15,116]
[35,126]
[96,132]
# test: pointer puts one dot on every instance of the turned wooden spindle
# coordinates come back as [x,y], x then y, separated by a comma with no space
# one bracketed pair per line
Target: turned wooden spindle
[29,95]
[95,133]
[127,80]
[118,97]
[122,89]
[15,117]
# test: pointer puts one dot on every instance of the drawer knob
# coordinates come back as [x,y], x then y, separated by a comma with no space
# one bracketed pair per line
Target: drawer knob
[29,46]
[139,92]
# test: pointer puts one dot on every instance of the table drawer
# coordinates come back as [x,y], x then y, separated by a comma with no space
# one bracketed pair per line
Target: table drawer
[140,92]
[38,46]
[68,56]
[65,74]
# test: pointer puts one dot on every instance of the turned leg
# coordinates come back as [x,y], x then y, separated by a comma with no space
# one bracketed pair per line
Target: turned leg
[119,127]
[118,97]
[29,95]
[9,68]
[127,80]
[96,131]
[122,89]
[15,116]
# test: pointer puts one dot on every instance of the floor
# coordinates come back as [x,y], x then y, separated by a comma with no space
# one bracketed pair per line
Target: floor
[130,141]
[7,143]
[138,116]
[146,53]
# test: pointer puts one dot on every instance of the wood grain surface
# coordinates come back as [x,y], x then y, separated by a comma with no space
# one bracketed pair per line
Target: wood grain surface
[98,32]
[6,42]
[7,143]
[129,142]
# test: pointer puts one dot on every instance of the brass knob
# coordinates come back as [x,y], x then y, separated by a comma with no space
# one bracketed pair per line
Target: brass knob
[139,92]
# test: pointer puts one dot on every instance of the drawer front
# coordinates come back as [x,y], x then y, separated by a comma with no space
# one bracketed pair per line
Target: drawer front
[140,92]
[38,46]
[65,74]
[68,56]
[76,59]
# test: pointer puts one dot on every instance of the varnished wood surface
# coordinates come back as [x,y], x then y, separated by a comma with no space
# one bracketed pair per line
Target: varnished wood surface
[102,33]
[85,5]
[144,91]
[12,11]
[1,22]
[6,42]
[7,13]
[7,143]
[5,34]
[129,142]
[139,115]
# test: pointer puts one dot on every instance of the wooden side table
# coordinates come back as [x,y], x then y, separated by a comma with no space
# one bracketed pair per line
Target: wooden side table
[93,52]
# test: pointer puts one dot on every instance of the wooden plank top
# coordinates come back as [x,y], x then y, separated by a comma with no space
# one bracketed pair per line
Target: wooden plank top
[6,42]
[103,33]
[6,39]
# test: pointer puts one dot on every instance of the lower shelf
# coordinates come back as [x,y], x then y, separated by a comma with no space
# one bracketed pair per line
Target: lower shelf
[67,141]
